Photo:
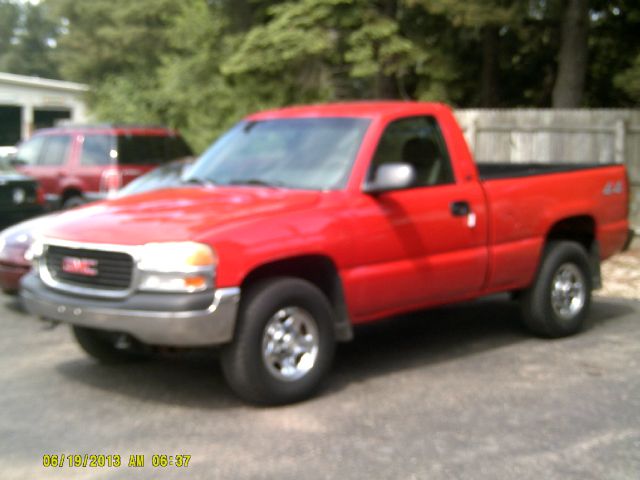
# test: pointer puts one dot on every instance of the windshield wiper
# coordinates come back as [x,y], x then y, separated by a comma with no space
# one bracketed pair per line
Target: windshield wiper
[198,181]
[258,182]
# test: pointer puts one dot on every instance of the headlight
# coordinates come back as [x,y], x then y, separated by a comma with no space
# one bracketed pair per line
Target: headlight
[176,257]
[177,267]
[35,250]
[13,244]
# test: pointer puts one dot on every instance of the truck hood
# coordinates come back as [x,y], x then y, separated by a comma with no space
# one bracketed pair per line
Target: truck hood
[180,214]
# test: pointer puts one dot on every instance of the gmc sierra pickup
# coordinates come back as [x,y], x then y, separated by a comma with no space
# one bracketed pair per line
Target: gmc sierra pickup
[299,223]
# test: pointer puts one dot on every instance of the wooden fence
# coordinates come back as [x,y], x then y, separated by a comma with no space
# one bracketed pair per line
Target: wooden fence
[568,136]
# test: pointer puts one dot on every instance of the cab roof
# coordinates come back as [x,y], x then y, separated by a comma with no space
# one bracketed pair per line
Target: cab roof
[366,109]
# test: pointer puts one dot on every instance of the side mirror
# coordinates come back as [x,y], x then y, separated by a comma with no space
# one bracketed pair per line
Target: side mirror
[391,176]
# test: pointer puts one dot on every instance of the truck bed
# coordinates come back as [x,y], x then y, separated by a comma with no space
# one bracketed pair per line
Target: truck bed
[526,200]
[495,171]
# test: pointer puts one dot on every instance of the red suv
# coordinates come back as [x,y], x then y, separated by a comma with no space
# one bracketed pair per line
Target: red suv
[79,164]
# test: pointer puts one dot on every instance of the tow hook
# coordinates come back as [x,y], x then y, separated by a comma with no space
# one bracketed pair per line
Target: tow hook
[49,324]
[123,342]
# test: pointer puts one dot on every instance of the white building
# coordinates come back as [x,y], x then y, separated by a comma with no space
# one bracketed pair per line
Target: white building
[30,103]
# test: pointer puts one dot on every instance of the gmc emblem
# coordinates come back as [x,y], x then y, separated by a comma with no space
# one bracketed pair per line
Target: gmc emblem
[80,266]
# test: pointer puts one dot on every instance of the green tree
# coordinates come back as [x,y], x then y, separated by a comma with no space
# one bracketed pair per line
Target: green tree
[614,47]
[9,18]
[117,46]
[199,97]
[201,65]
[28,36]
[629,80]
[484,24]
[112,37]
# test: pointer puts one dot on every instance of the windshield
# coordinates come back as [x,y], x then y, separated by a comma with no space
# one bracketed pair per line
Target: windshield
[6,167]
[301,153]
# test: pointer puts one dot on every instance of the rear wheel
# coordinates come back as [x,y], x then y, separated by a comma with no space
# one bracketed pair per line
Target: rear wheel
[284,343]
[558,302]
[109,347]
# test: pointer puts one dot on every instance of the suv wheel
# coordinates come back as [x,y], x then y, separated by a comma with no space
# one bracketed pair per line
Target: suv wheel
[284,342]
[72,202]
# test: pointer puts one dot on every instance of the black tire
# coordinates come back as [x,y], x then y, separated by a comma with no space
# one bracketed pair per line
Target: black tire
[72,202]
[538,311]
[246,370]
[101,345]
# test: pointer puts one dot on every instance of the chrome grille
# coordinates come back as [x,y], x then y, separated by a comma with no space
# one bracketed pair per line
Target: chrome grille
[114,270]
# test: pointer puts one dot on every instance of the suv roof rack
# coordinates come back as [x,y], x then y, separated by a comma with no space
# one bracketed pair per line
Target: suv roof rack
[66,124]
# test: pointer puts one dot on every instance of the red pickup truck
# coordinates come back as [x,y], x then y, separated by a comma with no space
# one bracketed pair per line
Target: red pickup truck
[299,223]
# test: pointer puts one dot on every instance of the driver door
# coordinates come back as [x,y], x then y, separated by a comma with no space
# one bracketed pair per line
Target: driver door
[423,245]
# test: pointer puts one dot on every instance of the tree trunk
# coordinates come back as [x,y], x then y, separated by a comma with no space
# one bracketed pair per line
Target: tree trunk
[385,87]
[572,59]
[489,75]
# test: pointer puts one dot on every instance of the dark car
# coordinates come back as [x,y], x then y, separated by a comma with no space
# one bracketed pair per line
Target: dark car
[15,241]
[20,196]
[76,164]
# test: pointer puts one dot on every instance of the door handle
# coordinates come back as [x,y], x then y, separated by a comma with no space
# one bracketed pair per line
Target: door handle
[463,209]
[460,209]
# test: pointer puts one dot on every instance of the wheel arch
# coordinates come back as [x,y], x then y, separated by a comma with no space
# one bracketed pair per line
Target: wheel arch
[581,229]
[70,191]
[318,269]
[577,228]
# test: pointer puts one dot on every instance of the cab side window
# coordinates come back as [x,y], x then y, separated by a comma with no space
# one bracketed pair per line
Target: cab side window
[55,150]
[96,150]
[141,150]
[419,142]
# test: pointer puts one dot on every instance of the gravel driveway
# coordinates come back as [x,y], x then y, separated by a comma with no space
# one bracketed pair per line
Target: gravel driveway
[621,274]
[457,393]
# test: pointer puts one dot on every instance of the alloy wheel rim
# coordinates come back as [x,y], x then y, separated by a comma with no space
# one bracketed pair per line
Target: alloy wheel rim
[568,291]
[290,344]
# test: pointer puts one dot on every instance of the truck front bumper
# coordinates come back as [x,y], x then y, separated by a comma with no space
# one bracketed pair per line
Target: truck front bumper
[180,320]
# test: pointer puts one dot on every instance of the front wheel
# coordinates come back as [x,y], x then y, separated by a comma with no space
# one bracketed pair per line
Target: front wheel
[284,343]
[558,302]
